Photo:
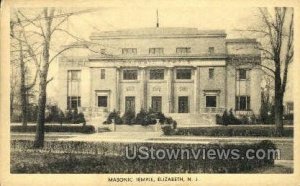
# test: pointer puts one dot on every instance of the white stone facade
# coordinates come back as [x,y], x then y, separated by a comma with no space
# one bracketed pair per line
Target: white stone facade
[173,70]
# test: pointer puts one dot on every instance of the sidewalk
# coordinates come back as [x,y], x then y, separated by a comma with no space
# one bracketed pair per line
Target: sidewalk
[285,163]
[151,136]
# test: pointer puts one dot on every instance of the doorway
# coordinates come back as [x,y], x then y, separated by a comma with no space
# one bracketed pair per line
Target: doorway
[183,104]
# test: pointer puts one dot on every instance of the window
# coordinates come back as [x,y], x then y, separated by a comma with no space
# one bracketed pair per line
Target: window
[183,104]
[130,74]
[242,103]
[129,51]
[156,103]
[102,74]
[242,74]
[74,75]
[157,74]
[129,103]
[211,73]
[211,50]
[73,102]
[156,51]
[102,101]
[183,74]
[183,50]
[73,89]
[211,101]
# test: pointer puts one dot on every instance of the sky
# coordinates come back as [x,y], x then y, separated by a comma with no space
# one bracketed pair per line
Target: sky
[103,19]
[228,18]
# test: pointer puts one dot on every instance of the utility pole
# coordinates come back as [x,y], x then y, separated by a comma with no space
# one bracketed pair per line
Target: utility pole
[157,20]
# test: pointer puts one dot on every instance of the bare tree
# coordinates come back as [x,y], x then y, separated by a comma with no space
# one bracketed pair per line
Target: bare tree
[13,86]
[44,25]
[277,31]
[21,56]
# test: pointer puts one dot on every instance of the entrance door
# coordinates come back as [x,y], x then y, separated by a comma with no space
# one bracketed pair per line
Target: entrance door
[183,104]
[129,103]
[156,103]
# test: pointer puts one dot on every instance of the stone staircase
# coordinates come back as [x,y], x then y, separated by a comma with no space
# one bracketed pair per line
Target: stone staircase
[193,119]
[136,128]
[103,129]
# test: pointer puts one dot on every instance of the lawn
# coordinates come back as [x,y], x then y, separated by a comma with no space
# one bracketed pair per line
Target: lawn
[91,157]
[29,162]
[275,169]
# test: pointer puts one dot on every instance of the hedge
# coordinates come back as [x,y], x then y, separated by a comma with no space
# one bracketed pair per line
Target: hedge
[263,131]
[144,118]
[101,157]
[55,128]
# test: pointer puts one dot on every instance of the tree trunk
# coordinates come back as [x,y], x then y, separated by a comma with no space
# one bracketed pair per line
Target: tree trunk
[40,128]
[12,97]
[23,87]
[39,137]
[24,106]
[278,103]
[279,115]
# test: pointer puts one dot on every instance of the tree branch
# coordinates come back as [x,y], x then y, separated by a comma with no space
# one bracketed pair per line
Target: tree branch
[48,81]
[27,19]
[289,53]
[60,52]
[30,86]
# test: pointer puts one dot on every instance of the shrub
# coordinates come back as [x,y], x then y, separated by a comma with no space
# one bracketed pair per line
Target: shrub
[167,130]
[169,120]
[129,117]
[73,117]
[219,120]
[148,118]
[169,127]
[113,115]
[87,157]
[289,117]
[55,128]
[143,117]
[231,119]
[265,131]
[55,114]
[174,124]
[267,112]
[68,116]
[225,118]
[32,111]
[157,115]
[81,118]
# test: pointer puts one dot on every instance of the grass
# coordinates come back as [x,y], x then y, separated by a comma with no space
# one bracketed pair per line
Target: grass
[87,157]
[36,162]
[276,169]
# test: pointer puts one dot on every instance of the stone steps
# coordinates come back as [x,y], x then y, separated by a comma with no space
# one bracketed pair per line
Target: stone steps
[135,128]
[191,119]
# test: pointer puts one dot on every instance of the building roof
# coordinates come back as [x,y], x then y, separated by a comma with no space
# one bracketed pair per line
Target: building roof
[241,40]
[161,31]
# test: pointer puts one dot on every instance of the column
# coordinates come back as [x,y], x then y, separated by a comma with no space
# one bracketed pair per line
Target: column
[196,89]
[143,94]
[118,89]
[170,89]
